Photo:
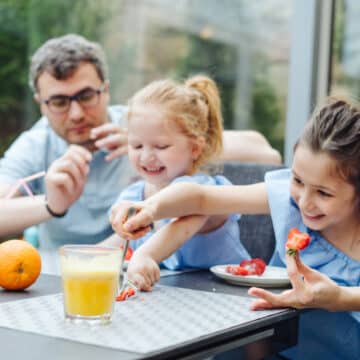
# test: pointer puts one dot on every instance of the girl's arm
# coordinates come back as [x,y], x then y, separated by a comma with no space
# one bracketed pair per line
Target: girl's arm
[113,240]
[143,269]
[349,299]
[193,199]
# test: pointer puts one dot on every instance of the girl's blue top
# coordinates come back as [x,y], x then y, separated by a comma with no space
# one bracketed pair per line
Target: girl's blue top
[221,246]
[322,334]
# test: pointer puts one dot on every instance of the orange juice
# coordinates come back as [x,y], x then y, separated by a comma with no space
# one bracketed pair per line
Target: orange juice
[90,293]
[90,278]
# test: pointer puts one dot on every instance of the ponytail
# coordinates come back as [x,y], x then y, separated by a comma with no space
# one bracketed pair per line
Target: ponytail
[194,106]
[209,95]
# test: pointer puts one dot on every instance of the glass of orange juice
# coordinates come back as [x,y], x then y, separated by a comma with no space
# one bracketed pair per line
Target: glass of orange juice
[90,278]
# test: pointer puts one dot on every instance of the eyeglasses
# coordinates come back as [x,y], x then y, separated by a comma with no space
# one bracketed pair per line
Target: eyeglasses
[87,98]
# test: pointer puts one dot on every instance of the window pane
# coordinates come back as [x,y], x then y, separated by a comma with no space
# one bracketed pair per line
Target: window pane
[345,73]
[243,45]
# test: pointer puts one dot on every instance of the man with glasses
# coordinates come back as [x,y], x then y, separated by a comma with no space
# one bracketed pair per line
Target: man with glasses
[79,142]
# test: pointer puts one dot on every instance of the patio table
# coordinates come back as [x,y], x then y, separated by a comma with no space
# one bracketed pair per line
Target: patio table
[198,296]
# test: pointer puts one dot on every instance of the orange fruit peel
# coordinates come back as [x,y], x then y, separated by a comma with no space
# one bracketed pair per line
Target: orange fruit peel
[20,264]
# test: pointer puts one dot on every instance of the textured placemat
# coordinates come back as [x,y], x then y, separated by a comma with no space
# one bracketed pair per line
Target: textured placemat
[165,317]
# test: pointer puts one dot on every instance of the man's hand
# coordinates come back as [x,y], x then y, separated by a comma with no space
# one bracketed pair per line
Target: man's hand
[143,271]
[311,289]
[112,138]
[66,178]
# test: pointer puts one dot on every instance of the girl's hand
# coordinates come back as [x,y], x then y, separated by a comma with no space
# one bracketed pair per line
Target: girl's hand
[143,271]
[65,180]
[311,289]
[134,227]
[112,138]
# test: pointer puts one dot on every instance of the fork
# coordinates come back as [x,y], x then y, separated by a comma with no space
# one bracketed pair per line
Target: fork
[127,284]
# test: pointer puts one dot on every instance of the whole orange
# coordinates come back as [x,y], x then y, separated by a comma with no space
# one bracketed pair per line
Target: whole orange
[20,264]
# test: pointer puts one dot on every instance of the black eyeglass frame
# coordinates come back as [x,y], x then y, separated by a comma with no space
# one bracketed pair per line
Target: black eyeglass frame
[75,97]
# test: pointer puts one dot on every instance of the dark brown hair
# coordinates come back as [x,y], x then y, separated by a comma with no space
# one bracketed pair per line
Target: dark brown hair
[334,129]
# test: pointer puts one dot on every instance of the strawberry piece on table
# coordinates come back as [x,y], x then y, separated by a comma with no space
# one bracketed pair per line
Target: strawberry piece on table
[125,294]
[296,241]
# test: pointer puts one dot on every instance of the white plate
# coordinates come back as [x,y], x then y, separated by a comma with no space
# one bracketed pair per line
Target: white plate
[273,276]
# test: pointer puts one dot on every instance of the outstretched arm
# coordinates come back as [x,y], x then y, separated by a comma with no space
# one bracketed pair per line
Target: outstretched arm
[248,146]
[184,199]
[311,289]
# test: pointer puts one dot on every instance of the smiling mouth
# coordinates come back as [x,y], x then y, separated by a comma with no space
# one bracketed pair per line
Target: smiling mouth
[153,171]
[312,217]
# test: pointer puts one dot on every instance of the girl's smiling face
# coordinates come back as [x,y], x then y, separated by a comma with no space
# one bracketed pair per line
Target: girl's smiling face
[158,150]
[326,201]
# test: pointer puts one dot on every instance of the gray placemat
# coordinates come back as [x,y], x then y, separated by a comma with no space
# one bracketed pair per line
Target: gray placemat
[165,317]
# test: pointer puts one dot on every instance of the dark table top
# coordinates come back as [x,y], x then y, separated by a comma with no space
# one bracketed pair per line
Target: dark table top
[20,345]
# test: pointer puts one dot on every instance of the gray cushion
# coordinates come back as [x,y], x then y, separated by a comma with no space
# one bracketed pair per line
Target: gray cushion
[256,231]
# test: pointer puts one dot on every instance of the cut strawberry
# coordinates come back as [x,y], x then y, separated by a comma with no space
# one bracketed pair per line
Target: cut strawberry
[129,252]
[255,266]
[236,270]
[247,267]
[125,294]
[296,241]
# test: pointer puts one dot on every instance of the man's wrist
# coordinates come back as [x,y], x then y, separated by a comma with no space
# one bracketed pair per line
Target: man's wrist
[53,213]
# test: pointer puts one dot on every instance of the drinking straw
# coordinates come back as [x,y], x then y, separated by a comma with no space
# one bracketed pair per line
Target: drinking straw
[34,176]
[23,182]
[26,187]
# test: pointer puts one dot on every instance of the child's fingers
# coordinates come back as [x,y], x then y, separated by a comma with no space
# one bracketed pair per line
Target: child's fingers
[118,227]
[263,294]
[141,220]
[295,274]
[269,300]
[140,233]
[260,304]
[118,213]
[155,274]
[140,281]
[303,269]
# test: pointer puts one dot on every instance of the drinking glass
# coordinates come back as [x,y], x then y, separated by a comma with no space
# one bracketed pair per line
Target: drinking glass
[90,279]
